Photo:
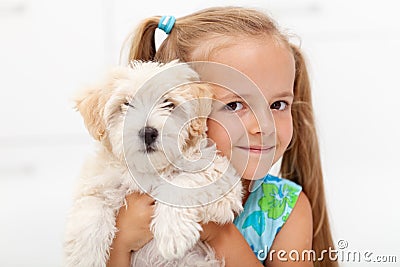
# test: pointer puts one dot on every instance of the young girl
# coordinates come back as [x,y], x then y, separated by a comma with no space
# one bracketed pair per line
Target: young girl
[282,215]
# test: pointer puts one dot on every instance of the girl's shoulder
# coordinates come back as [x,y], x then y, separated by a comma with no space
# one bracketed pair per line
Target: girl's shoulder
[266,210]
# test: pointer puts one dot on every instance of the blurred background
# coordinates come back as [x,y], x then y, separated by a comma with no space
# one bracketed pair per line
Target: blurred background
[51,48]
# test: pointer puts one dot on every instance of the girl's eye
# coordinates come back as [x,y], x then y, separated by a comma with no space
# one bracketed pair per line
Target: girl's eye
[279,105]
[234,106]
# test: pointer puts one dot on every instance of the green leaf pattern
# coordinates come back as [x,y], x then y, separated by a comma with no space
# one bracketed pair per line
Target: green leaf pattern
[273,203]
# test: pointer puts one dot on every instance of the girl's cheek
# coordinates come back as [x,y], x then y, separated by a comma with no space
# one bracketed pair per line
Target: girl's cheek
[284,130]
[220,136]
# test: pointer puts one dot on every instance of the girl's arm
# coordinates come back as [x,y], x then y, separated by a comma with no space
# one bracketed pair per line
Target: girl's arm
[294,238]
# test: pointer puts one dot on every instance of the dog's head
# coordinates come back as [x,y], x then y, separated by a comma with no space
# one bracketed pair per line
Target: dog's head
[148,113]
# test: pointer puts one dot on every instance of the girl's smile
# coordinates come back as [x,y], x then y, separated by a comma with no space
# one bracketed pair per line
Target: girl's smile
[257,149]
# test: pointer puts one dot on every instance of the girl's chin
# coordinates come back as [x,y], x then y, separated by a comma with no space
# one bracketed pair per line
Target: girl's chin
[254,175]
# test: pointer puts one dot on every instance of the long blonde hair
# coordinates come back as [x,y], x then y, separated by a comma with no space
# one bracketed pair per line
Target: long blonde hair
[216,27]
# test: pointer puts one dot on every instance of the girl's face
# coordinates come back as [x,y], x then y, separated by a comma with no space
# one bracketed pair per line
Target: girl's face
[244,131]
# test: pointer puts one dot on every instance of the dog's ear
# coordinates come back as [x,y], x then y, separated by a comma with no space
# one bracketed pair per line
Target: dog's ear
[198,126]
[90,103]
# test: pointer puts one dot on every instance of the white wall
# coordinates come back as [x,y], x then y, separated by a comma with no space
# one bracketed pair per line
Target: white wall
[49,49]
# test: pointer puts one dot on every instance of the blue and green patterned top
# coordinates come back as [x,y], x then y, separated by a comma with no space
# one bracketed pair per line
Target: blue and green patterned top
[266,211]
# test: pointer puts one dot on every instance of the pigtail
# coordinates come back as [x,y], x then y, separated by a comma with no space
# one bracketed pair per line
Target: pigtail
[170,50]
[141,41]
[140,44]
[301,162]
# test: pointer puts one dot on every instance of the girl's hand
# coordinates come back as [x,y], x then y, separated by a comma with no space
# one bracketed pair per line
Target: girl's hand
[133,223]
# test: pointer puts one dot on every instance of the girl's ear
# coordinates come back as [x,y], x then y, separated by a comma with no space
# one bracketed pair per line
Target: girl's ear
[90,103]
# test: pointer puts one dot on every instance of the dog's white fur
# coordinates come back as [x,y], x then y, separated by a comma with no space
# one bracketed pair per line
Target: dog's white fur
[105,180]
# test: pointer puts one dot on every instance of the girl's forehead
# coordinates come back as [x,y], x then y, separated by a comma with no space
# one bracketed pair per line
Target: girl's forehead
[269,65]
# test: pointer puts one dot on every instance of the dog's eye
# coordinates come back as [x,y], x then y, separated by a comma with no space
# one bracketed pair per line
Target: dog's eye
[168,104]
[128,105]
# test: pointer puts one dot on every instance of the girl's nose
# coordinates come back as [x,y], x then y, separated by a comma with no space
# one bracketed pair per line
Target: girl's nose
[261,123]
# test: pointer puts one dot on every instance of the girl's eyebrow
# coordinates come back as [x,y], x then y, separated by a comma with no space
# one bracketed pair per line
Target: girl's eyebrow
[284,94]
[228,96]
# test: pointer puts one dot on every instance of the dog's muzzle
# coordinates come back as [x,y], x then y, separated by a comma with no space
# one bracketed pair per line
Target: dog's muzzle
[149,136]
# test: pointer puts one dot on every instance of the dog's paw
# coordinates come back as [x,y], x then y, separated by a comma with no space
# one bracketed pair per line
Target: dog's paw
[176,246]
[219,212]
[175,231]
[224,210]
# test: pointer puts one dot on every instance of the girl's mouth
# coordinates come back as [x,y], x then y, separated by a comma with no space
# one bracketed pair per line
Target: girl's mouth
[257,149]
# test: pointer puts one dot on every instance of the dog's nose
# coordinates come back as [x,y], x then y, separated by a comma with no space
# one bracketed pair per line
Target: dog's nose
[149,134]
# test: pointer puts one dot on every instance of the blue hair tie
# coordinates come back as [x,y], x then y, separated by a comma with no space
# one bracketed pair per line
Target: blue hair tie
[166,23]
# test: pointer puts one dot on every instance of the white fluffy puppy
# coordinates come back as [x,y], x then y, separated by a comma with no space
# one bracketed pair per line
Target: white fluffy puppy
[152,142]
